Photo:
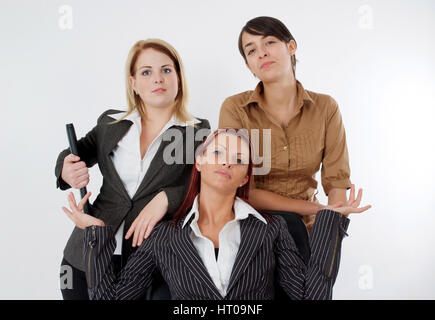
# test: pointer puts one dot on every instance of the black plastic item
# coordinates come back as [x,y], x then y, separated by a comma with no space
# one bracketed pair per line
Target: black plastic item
[72,139]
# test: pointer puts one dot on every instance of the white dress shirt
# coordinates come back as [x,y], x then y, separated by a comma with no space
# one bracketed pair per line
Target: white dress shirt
[126,158]
[229,242]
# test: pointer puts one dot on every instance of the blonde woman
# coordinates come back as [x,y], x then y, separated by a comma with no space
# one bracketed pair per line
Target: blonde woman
[140,186]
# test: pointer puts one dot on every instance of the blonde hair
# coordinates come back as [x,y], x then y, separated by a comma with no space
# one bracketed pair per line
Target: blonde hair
[134,101]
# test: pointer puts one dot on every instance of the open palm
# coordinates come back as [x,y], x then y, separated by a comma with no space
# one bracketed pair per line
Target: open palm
[76,214]
[351,205]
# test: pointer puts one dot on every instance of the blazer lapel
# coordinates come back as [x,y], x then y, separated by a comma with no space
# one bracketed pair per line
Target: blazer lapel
[157,163]
[252,233]
[114,133]
[183,247]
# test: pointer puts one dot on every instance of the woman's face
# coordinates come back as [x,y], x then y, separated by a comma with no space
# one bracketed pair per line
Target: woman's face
[155,79]
[224,163]
[268,58]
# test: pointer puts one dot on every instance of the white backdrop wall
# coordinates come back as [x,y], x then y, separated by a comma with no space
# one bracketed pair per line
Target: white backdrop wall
[62,62]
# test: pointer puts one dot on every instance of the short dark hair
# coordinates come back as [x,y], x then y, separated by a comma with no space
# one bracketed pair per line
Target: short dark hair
[267,26]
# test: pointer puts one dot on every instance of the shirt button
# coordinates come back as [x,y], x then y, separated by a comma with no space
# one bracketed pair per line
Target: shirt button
[285,148]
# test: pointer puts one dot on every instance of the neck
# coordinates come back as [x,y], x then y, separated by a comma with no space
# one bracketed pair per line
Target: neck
[280,94]
[158,115]
[215,208]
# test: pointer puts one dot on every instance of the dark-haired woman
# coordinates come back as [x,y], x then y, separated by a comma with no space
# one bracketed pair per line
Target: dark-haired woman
[306,130]
[218,246]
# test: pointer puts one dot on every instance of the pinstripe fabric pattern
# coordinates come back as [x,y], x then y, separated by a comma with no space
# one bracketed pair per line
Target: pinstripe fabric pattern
[263,249]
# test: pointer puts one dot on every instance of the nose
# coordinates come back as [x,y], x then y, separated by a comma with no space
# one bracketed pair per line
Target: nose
[262,52]
[226,162]
[158,78]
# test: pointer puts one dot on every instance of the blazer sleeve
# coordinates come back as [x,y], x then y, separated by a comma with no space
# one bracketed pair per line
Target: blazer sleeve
[177,192]
[315,281]
[87,148]
[103,283]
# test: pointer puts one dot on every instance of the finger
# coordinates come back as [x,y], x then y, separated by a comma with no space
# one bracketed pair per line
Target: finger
[142,233]
[78,172]
[79,165]
[352,193]
[149,229]
[136,234]
[68,213]
[83,176]
[83,201]
[82,184]
[358,198]
[71,158]
[362,209]
[131,230]
[72,202]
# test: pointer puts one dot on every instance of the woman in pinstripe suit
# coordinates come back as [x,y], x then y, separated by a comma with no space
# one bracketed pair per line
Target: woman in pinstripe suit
[217,246]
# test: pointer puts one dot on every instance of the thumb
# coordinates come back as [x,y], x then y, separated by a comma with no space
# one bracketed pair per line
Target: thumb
[72,158]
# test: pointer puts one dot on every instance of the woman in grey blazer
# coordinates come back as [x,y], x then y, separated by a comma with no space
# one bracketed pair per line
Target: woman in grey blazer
[143,155]
[217,246]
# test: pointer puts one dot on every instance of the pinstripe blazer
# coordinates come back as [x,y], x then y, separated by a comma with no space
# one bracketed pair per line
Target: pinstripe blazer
[266,251]
[113,204]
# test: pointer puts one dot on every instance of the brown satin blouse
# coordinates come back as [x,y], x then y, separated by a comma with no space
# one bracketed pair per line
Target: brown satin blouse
[314,138]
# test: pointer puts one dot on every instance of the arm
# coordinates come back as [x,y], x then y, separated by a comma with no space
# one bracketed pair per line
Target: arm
[258,198]
[267,200]
[335,173]
[336,195]
[87,148]
[317,279]
[103,284]
[99,244]
[314,282]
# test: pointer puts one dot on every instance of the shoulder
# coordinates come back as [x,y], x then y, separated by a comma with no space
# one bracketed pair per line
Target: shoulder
[106,115]
[203,124]
[237,100]
[322,101]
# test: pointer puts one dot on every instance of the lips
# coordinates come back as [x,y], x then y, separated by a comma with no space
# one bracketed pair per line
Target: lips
[223,173]
[266,64]
[159,90]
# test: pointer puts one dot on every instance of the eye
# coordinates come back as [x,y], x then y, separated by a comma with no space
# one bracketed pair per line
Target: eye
[250,52]
[146,72]
[271,42]
[166,70]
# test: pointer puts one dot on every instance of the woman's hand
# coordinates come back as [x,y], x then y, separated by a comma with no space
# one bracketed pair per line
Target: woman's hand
[351,205]
[75,172]
[152,213]
[81,220]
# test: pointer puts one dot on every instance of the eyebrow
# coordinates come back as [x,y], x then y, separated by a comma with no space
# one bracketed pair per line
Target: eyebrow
[251,43]
[238,153]
[150,67]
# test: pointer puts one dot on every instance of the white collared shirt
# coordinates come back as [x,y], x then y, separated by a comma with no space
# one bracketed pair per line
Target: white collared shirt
[229,242]
[126,158]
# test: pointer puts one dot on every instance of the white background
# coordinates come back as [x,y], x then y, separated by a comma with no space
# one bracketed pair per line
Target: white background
[376,58]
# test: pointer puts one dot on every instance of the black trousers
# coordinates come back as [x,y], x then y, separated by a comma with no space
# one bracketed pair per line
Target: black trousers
[299,232]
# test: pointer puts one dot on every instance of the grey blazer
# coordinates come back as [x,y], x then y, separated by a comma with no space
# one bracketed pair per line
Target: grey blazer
[113,203]
[266,251]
